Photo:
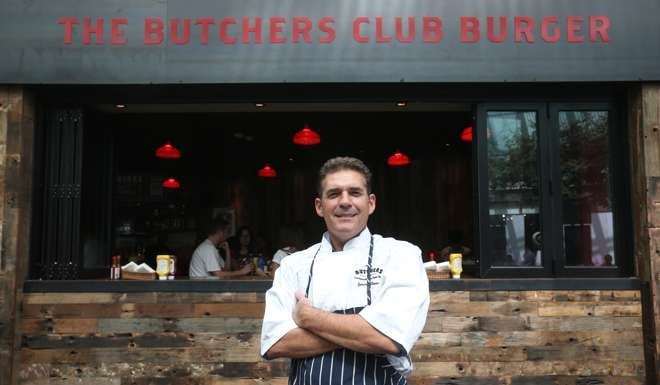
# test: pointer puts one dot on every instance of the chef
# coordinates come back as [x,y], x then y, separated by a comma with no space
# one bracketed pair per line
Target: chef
[350,308]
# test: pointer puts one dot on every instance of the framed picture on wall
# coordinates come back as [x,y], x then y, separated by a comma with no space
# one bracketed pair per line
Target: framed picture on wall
[228,214]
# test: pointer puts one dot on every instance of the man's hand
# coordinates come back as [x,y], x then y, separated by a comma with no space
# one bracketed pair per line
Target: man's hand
[301,310]
[299,342]
[347,330]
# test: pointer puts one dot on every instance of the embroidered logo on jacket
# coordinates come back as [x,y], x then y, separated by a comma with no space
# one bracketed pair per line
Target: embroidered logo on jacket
[361,275]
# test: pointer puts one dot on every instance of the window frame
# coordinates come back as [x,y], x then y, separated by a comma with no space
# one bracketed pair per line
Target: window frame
[619,193]
[487,270]
[553,261]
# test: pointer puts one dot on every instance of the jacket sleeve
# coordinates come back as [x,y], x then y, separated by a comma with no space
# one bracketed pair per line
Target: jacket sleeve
[400,311]
[280,301]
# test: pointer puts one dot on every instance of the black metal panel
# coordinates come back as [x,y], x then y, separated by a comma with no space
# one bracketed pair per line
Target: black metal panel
[238,286]
[60,234]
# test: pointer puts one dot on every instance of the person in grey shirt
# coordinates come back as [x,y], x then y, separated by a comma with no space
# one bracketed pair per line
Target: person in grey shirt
[206,261]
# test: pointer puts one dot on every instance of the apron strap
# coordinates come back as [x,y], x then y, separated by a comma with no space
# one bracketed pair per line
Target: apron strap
[311,271]
[371,254]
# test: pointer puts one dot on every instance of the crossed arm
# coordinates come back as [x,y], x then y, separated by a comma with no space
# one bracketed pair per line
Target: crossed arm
[320,331]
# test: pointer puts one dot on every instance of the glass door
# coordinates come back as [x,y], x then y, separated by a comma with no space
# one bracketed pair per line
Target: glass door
[585,200]
[512,191]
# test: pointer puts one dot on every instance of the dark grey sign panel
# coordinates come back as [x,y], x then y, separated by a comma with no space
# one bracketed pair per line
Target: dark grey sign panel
[247,41]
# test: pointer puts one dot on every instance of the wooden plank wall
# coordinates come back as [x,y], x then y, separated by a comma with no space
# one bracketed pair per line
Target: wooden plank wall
[518,338]
[650,128]
[644,138]
[16,129]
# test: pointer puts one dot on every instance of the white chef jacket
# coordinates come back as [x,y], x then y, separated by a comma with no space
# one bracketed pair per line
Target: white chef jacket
[399,289]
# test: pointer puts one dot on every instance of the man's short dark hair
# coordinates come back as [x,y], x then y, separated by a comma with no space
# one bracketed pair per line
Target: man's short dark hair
[216,225]
[341,163]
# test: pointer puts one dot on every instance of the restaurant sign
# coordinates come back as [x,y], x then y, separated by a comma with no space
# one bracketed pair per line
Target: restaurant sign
[234,41]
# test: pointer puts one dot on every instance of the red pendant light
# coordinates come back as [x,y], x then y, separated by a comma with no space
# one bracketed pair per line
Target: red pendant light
[466,135]
[306,137]
[398,159]
[171,183]
[167,151]
[267,172]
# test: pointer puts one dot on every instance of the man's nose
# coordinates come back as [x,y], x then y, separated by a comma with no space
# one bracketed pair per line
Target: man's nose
[344,199]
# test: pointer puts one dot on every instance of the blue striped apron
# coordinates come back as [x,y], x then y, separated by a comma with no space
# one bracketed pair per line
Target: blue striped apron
[344,366]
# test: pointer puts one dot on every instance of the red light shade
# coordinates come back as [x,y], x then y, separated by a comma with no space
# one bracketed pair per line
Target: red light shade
[171,183]
[466,135]
[398,159]
[306,137]
[267,172]
[167,151]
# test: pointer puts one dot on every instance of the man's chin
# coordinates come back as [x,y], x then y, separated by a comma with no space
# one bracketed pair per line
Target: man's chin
[347,232]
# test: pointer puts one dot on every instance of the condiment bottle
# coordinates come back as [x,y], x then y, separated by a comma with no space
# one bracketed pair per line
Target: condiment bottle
[115,268]
[172,271]
[162,266]
[456,265]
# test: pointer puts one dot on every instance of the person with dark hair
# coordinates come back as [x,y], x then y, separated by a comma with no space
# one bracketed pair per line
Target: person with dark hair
[350,308]
[206,261]
[243,248]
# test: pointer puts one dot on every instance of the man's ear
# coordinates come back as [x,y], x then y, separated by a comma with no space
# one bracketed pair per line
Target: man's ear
[318,207]
[372,203]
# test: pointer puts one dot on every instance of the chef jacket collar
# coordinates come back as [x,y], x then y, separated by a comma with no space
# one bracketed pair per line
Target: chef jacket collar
[362,240]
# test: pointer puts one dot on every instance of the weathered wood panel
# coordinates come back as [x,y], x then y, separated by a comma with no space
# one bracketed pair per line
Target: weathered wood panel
[554,337]
[143,310]
[16,143]
[647,144]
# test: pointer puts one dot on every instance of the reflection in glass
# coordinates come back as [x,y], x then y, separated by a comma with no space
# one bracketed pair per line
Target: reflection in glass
[513,189]
[587,222]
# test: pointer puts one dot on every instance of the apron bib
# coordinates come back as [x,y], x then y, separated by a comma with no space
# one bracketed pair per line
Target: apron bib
[344,366]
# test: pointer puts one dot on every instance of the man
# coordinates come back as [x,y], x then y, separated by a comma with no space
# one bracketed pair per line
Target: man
[350,308]
[206,261]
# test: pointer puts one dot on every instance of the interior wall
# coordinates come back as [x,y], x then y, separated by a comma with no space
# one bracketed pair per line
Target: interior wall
[221,154]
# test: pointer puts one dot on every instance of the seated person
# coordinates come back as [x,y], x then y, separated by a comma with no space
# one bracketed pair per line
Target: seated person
[247,249]
[206,261]
[292,238]
[279,256]
[243,248]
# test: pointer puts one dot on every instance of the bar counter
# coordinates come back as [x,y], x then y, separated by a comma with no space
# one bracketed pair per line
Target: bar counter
[261,285]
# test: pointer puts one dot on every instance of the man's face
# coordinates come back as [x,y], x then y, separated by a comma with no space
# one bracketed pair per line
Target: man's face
[345,205]
[218,237]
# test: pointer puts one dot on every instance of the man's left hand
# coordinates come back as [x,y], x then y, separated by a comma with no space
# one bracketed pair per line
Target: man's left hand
[302,309]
